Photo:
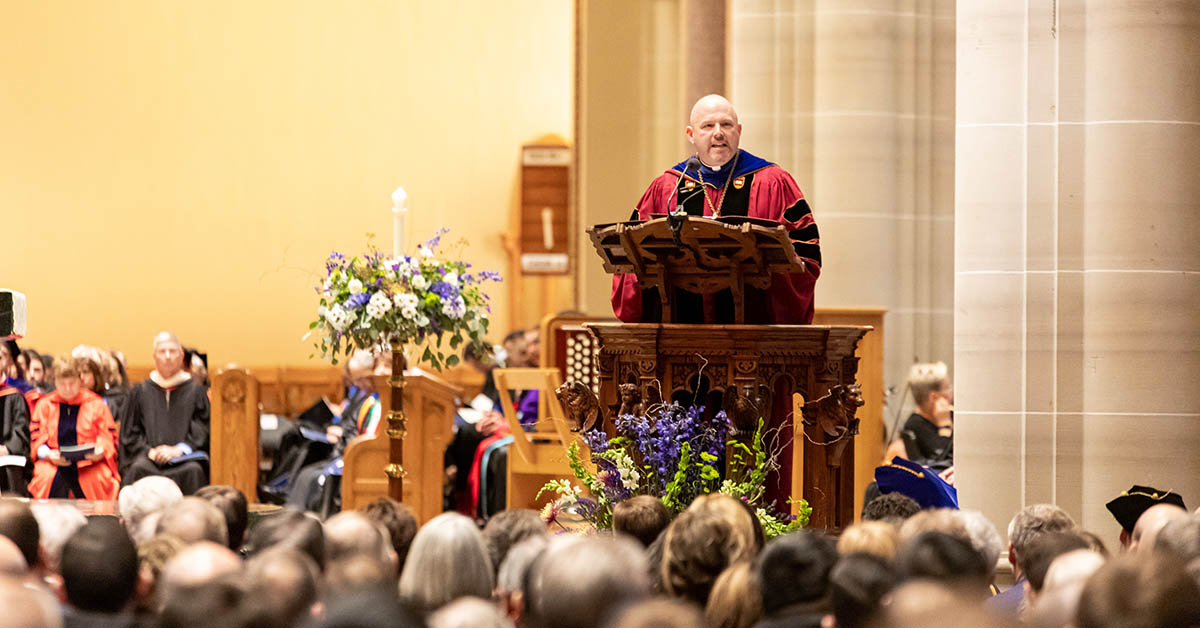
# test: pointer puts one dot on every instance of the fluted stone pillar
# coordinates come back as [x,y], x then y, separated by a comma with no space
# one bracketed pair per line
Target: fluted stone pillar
[856,99]
[1077,283]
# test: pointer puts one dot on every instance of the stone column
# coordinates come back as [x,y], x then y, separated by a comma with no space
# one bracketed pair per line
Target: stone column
[1077,283]
[856,99]
[704,48]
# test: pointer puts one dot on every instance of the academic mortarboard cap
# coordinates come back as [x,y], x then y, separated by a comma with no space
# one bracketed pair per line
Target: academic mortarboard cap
[12,314]
[1128,507]
[920,483]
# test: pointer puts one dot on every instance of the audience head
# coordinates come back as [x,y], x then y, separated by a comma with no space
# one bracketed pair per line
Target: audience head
[514,572]
[984,537]
[736,598]
[168,354]
[153,556]
[872,537]
[91,376]
[469,612]
[1042,551]
[714,532]
[793,571]
[533,347]
[924,603]
[35,371]
[195,565]
[26,607]
[514,349]
[579,582]
[448,560]
[194,519]
[1031,522]
[660,613]
[56,523]
[1095,543]
[1058,601]
[399,522]
[220,603]
[928,381]
[1180,537]
[350,534]
[893,508]
[289,528]
[946,559]
[370,607]
[1144,590]
[857,586]
[100,567]
[141,503]
[67,381]
[285,582]
[10,367]
[232,504]
[20,526]
[1131,504]
[1151,521]
[643,517]
[508,528]
[12,563]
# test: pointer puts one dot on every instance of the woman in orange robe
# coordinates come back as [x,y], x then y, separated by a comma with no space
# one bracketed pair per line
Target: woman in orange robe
[67,417]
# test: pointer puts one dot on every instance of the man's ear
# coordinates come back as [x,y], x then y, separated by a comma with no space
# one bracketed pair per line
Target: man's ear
[690,134]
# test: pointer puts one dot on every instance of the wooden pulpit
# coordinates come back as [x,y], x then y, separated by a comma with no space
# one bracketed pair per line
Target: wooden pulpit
[748,370]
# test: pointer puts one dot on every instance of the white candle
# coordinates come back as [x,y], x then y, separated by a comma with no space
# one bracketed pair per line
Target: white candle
[399,209]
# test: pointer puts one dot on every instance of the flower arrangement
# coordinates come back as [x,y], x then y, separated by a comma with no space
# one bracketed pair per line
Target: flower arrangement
[374,301]
[672,453]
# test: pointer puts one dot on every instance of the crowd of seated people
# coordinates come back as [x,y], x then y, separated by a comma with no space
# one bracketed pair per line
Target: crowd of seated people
[171,560]
[59,435]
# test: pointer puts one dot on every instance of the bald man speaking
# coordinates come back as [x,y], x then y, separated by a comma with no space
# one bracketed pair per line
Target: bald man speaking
[725,180]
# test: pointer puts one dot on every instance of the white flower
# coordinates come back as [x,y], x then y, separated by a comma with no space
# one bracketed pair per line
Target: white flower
[418,282]
[321,311]
[355,286]
[328,284]
[421,320]
[379,305]
[338,318]
[408,311]
[451,278]
[425,251]
[406,300]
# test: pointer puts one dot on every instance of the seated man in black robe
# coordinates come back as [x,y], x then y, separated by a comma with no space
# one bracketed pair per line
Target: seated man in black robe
[317,485]
[164,423]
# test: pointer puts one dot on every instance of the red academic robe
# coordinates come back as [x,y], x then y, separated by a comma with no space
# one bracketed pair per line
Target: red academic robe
[773,195]
[97,478]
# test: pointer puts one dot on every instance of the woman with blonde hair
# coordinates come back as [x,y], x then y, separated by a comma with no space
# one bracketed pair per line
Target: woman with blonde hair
[736,599]
[872,537]
[448,559]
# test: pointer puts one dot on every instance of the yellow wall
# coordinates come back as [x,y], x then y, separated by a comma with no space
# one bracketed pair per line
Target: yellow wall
[189,165]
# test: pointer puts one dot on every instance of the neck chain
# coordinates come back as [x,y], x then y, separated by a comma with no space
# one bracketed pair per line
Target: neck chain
[716,211]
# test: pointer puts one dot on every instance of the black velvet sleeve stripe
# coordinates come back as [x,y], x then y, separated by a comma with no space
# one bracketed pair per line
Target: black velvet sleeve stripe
[807,250]
[635,215]
[797,211]
[805,234]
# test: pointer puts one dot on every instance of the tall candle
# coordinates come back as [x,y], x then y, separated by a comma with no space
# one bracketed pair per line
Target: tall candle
[399,209]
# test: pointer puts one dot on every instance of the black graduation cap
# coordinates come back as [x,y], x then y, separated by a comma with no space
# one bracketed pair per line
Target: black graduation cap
[1130,505]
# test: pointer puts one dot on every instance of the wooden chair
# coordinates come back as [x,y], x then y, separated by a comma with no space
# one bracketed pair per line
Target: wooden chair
[540,455]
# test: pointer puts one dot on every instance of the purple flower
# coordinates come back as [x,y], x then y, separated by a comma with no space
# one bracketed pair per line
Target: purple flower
[597,441]
[489,275]
[357,300]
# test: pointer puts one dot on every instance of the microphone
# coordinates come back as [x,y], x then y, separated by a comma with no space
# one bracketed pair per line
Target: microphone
[693,163]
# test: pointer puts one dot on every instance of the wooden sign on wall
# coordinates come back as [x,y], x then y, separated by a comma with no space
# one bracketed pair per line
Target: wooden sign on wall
[545,185]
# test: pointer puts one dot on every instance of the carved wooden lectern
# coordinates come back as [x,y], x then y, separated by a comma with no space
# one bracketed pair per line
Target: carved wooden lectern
[747,370]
